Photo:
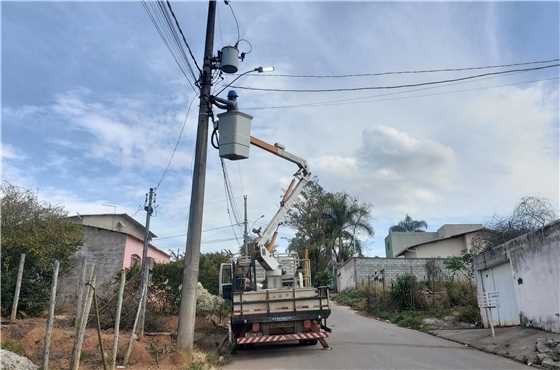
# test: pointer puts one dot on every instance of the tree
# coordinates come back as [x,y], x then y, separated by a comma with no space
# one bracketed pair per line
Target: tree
[530,214]
[41,231]
[345,217]
[408,224]
[327,225]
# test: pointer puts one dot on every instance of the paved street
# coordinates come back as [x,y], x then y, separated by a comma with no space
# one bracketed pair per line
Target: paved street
[364,343]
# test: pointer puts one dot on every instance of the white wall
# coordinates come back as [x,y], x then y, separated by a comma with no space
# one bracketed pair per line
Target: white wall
[536,275]
[534,262]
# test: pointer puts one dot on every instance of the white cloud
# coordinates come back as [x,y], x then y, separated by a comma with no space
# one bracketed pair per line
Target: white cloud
[122,133]
[8,151]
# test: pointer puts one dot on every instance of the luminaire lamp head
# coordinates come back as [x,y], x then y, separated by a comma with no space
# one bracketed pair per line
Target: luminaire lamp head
[264,69]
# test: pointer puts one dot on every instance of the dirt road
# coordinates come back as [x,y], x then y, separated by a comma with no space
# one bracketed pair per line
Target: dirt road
[363,343]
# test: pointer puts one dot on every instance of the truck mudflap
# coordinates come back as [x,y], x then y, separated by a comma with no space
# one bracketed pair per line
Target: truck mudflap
[321,335]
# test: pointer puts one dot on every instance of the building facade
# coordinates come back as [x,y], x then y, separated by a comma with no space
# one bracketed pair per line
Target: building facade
[449,240]
[111,242]
[523,277]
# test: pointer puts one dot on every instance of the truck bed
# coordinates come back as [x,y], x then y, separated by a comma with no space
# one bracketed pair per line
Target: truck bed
[281,301]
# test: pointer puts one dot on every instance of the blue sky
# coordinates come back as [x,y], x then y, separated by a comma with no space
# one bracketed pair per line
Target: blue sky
[92,103]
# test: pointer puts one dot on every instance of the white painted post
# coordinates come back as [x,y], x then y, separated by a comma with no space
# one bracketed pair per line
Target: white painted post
[490,321]
[18,288]
[118,320]
[50,321]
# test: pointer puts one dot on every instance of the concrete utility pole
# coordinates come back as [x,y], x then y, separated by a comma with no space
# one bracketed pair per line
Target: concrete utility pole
[245,233]
[148,207]
[187,310]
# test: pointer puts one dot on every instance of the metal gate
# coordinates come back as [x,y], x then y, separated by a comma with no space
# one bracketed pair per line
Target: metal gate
[500,279]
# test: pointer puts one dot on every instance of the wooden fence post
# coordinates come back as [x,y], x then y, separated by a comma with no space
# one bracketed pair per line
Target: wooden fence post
[143,296]
[99,328]
[118,320]
[80,290]
[84,316]
[50,321]
[18,288]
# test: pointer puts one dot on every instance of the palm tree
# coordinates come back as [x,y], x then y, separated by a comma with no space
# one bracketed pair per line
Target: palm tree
[410,225]
[344,217]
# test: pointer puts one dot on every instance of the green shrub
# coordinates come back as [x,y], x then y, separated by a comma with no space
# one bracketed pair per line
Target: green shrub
[404,292]
[12,346]
[354,298]
[470,314]
[461,293]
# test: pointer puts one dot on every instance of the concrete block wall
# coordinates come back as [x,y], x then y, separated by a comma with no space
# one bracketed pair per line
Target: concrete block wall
[103,248]
[356,270]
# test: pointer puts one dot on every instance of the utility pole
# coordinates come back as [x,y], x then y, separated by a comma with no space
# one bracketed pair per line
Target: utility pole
[245,233]
[187,310]
[148,207]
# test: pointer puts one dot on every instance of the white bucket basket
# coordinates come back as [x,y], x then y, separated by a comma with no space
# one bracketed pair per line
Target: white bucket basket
[235,135]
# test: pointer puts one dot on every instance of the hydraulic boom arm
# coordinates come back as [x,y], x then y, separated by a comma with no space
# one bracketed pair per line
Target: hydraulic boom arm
[267,239]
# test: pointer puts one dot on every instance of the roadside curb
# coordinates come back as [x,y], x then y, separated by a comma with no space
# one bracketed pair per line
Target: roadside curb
[467,345]
[481,349]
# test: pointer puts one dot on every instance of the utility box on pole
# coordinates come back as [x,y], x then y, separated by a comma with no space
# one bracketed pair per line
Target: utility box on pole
[235,134]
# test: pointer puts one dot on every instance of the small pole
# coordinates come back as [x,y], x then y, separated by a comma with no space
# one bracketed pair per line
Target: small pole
[50,321]
[18,287]
[80,290]
[84,315]
[245,233]
[148,207]
[136,319]
[98,328]
[118,320]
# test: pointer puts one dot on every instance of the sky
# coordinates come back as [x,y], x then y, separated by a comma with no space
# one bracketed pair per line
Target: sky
[92,104]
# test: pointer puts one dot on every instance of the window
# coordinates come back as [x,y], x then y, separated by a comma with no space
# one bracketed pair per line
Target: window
[135,260]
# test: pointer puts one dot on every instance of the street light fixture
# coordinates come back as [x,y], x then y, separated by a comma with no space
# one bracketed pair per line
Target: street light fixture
[260,69]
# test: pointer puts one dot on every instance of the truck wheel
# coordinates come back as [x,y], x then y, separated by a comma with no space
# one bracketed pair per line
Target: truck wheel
[308,342]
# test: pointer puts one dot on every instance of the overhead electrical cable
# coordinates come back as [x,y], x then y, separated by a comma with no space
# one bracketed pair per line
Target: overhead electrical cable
[228,3]
[177,142]
[156,21]
[170,24]
[164,18]
[365,99]
[184,234]
[183,36]
[230,201]
[406,71]
[388,87]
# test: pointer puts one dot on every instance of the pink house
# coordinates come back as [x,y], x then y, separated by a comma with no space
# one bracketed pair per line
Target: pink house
[111,242]
[133,252]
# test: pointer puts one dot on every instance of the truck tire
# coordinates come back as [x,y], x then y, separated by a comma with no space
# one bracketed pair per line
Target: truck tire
[308,342]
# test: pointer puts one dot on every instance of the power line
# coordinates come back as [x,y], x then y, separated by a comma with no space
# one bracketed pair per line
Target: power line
[459,69]
[170,25]
[364,88]
[183,35]
[179,137]
[184,234]
[156,21]
[365,99]
[228,3]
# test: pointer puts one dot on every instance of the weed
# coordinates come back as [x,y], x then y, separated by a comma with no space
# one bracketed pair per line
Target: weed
[12,346]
